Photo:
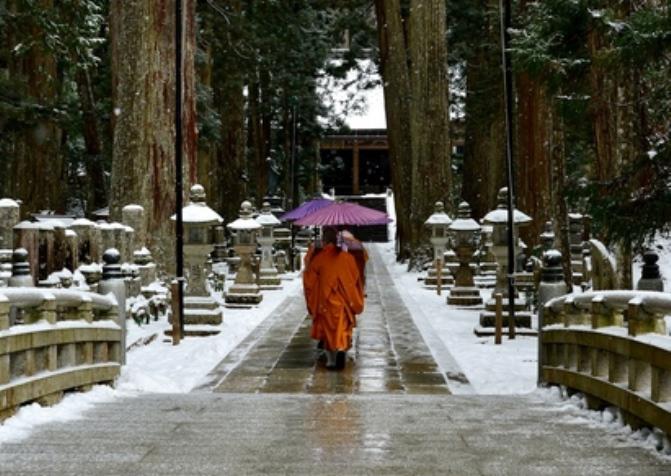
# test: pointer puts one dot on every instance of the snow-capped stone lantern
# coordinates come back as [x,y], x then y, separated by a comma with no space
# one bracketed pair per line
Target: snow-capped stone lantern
[466,231]
[199,222]
[244,290]
[268,272]
[498,219]
[439,224]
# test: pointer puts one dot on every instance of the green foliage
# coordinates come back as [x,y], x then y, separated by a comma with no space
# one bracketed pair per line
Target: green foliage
[552,43]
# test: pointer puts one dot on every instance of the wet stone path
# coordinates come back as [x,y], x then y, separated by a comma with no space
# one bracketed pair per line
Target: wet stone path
[388,355]
[275,411]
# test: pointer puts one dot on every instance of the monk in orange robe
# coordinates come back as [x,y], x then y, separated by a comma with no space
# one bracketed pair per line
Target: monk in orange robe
[334,296]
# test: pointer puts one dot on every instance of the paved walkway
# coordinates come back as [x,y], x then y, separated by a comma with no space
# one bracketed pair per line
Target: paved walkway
[389,412]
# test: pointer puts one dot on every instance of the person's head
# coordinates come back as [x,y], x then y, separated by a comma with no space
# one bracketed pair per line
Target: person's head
[329,235]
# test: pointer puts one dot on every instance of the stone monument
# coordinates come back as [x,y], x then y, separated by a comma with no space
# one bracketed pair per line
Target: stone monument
[651,279]
[199,222]
[268,276]
[498,219]
[465,230]
[439,223]
[245,290]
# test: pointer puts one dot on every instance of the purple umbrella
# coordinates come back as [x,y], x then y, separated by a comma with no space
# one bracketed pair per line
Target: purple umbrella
[306,208]
[344,213]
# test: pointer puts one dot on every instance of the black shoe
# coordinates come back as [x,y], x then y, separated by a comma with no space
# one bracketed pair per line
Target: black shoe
[341,358]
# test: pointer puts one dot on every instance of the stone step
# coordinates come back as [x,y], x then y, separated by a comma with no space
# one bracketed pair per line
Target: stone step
[203,316]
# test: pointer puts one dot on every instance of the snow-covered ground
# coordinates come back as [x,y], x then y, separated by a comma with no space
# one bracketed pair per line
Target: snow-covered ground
[509,368]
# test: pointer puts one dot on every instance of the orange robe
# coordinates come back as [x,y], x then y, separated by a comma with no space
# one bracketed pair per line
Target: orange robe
[334,296]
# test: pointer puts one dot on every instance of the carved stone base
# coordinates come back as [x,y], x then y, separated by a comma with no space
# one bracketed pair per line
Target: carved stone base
[200,311]
[269,279]
[244,294]
[464,296]
[432,278]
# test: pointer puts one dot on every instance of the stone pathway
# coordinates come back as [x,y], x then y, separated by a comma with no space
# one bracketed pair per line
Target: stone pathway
[277,412]
[389,355]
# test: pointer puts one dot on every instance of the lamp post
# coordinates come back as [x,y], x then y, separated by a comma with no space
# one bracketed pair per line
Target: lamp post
[179,226]
[505,9]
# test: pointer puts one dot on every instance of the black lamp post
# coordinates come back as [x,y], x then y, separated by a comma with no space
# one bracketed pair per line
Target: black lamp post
[179,223]
[505,7]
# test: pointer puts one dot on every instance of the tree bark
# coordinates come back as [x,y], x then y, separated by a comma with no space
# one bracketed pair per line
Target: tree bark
[97,195]
[484,171]
[557,148]
[143,170]
[37,171]
[413,58]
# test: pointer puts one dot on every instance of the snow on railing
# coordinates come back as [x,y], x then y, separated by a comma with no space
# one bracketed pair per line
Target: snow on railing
[614,347]
[54,340]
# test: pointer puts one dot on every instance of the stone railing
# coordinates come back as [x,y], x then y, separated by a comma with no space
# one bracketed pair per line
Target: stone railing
[613,347]
[54,340]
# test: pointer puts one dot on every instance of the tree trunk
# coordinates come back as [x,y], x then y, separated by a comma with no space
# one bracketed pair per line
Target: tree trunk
[413,58]
[559,207]
[36,171]
[143,170]
[484,170]
[97,195]
[533,183]
[257,142]
[429,114]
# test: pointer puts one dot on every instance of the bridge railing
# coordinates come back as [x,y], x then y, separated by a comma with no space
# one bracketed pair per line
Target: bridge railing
[613,347]
[54,340]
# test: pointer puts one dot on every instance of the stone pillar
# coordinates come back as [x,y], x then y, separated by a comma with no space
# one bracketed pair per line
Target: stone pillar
[10,213]
[438,223]
[465,229]
[219,253]
[113,282]
[145,265]
[21,269]
[85,239]
[552,278]
[575,241]
[5,266]
[651,279]
[498,218]
[133,216]
[244,290]
[268,277]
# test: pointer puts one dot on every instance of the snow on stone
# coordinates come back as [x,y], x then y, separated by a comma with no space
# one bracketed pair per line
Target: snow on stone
[8,202]
[82,222]
[500,215]
[440,218]
[244,224]
[199,213]
[267,219]
[464,224]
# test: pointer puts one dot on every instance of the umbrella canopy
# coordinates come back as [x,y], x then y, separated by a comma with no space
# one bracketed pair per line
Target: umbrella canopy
[343,213]
[306,209]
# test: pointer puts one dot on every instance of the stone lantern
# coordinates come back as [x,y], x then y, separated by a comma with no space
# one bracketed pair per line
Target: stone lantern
[244,290]
[268,276]
[199,222]
[439,224]
[466,231]
[498,219]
